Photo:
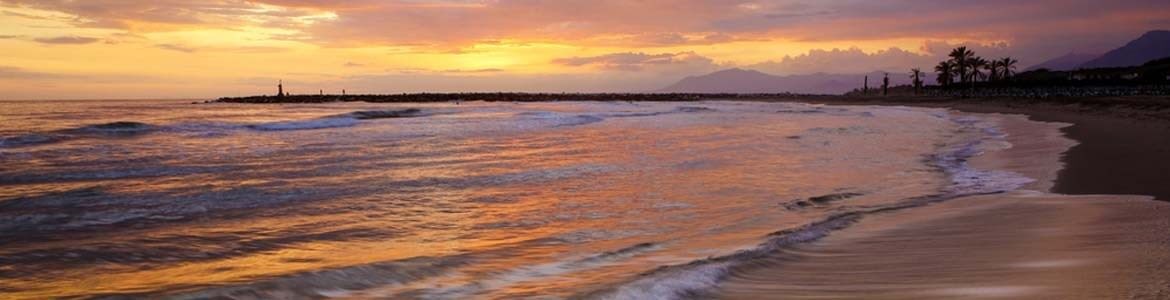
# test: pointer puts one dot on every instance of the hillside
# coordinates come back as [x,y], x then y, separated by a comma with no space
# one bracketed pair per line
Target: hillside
[1150,46]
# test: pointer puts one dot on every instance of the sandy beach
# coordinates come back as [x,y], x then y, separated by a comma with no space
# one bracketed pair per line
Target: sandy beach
[1126,138]
[1027,244]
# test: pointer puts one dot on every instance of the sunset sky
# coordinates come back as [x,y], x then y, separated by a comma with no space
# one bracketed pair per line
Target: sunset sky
[92,49]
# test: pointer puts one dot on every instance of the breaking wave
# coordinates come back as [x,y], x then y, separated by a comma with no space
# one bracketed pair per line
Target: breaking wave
[131,128]
[120,127]
[29,140]
[556,119]
[388,114]
[343,120]
[322,123]
[112,129]
[565,120]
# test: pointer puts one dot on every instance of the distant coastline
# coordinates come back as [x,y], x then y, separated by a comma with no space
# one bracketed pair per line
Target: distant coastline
[1147,106]
[506,97]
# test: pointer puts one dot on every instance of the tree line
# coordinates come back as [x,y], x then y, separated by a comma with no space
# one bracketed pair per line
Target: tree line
[964,67]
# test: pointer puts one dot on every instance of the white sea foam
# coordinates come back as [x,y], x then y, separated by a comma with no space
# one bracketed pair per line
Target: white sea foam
[968,180]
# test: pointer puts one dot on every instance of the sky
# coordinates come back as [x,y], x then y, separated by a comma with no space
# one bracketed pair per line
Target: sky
[122,49]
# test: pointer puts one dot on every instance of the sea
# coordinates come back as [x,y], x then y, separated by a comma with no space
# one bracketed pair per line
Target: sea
[459,200]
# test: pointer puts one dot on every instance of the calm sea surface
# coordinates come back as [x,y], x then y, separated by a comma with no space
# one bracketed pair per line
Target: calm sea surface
[446,201]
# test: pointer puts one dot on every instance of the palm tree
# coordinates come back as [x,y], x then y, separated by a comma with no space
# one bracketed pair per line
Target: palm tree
[916,73]
[995,70]
[976,64]
[946,72]
[1007,67]
[962,58]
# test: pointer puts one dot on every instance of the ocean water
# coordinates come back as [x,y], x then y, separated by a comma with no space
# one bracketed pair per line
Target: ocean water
[166,199]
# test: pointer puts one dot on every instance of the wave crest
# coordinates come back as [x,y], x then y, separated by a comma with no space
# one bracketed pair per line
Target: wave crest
[334,122]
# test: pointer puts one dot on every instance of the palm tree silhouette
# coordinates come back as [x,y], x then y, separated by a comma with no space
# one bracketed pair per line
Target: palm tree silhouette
[917,75]
[962,59]
[993,70]
[946,72]
[976,64]
[964,66]
[1007,66]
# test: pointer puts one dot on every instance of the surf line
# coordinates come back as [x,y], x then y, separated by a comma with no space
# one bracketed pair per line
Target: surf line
[700,277]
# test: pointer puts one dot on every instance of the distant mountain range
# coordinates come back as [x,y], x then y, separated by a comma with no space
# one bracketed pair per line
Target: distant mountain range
[751,81]
[1067,62]
[1150,46]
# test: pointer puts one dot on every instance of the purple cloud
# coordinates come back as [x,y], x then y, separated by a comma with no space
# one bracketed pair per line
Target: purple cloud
[174,47]
[67,40]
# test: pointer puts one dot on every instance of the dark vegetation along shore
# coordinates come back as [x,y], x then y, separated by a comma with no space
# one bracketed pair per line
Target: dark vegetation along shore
[965,74]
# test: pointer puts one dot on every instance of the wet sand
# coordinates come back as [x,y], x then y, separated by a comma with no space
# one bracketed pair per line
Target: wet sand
[1123,143]
[1028,244]
[1121,150]
[1015,246]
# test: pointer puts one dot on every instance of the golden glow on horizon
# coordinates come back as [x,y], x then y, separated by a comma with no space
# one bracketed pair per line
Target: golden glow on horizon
[237,54]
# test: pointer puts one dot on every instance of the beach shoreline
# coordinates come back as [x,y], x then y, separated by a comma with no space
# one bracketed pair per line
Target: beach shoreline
[1123,143]
[1028,243]
[1024,244]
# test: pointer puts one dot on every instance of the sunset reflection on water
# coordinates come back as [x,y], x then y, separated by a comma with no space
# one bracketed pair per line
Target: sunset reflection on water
[477,199]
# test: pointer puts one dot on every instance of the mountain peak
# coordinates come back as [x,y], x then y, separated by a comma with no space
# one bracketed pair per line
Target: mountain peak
[1152,45]
[1155,33]
[737,71]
